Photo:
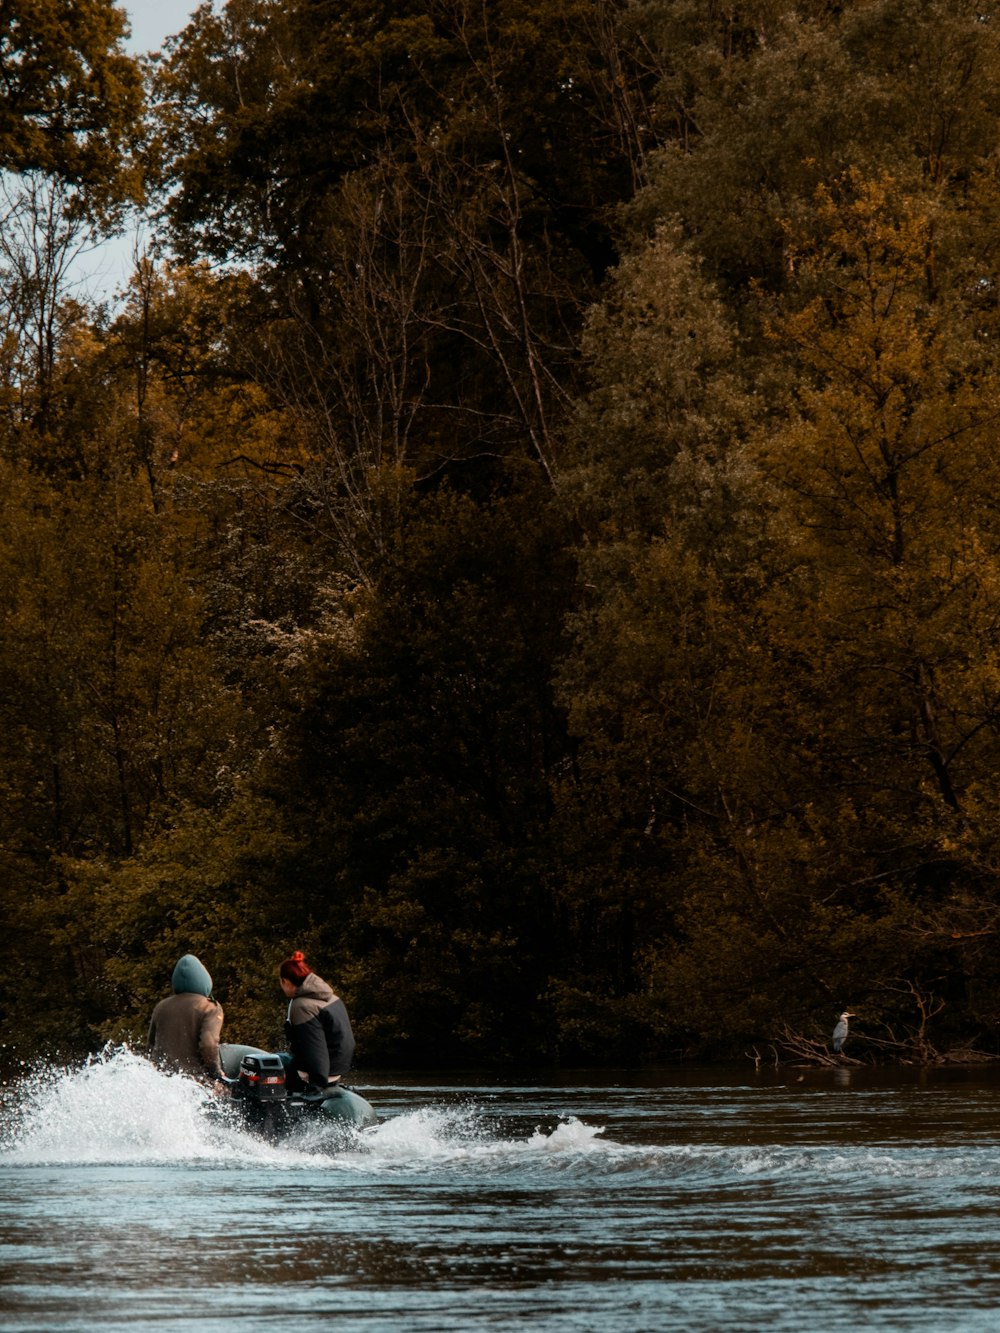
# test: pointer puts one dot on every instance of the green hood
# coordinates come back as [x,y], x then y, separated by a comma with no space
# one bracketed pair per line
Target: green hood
[190,974]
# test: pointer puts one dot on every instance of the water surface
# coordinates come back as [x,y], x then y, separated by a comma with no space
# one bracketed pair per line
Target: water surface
[702,1200]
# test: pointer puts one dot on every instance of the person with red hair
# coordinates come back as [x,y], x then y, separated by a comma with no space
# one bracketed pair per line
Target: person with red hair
[318,1029]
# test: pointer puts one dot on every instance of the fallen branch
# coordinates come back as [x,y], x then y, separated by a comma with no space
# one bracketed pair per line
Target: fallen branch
[804,1049]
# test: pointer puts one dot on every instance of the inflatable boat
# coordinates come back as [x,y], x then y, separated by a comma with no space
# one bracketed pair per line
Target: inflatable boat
[260,1096]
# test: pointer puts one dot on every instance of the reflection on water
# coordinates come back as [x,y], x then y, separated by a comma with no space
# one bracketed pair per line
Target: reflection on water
[700,1199]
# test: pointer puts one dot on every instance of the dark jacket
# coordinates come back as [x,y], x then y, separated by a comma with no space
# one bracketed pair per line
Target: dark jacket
[319,1032]
[185,1027]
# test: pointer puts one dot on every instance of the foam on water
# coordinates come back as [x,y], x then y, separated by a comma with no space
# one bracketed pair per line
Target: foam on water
[115,1108]
[477,1207]
[467,1135]
[118,1108]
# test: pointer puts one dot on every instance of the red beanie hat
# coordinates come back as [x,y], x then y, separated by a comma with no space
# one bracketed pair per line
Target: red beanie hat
[295,969]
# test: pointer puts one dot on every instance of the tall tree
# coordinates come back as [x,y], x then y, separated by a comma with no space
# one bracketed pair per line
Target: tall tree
[71,98]
[42,236]
[764,102]
[419,752]
[266,108]
[675,526]
[430,188]
[863,819]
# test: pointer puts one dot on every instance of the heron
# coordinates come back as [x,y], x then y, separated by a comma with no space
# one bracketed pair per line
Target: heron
[840,1031]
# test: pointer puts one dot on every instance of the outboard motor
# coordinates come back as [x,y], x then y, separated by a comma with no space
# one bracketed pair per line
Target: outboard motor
[262,1078]
[264,1104]
[261,1092]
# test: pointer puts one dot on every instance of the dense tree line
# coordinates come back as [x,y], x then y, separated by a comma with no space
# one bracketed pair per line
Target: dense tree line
[529,538]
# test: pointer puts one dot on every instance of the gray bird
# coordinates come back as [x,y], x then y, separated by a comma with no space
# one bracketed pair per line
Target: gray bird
[840,1031]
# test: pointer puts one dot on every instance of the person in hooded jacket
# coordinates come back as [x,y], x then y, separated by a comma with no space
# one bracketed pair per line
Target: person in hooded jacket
[185,1028]
[318,1029]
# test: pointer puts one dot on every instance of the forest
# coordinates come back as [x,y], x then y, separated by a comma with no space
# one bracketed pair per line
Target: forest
[528,534]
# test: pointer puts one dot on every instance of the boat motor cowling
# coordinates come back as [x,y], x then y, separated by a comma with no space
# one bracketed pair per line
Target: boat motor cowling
[262,1079]
[264,1103]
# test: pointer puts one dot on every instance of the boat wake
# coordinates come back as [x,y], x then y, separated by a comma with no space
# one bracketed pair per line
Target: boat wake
[115,1108]
[118,1108]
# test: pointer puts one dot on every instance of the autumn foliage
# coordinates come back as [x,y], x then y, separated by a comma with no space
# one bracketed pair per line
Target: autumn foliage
[529,537]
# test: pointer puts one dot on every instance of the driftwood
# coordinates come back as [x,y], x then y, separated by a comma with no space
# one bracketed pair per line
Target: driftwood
[796,1050]
[912,1047]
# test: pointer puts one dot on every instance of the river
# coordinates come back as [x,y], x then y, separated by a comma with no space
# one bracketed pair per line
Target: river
[702,1199]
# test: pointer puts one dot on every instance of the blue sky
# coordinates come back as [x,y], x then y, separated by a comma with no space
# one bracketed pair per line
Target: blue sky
[152,20]
[102,272]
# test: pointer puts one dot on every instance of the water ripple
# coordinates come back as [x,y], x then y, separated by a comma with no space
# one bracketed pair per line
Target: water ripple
[694,1203]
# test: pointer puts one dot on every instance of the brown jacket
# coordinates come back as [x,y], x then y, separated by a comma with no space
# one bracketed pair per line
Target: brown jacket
[184,1034]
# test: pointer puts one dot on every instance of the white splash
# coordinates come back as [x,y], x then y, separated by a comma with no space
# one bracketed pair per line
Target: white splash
[570,1135]
[466,1136]
[118,1108]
